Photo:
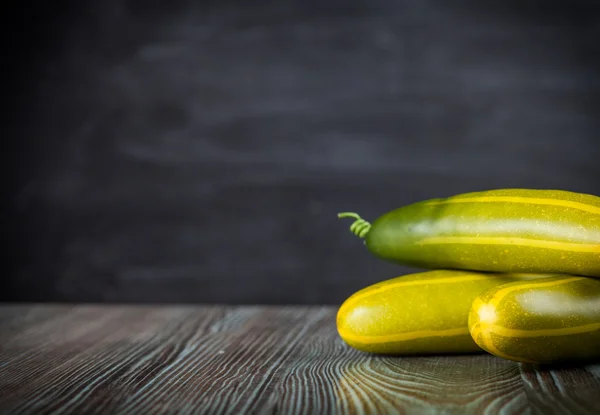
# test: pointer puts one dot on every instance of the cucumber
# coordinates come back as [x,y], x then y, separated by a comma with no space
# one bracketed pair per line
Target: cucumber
[422,313]
[507,231]
[554,320]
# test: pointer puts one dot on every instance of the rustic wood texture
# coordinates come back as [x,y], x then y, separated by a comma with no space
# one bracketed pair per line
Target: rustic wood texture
[258,360]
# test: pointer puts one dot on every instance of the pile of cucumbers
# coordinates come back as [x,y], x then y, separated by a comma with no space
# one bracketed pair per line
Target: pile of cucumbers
[512,272]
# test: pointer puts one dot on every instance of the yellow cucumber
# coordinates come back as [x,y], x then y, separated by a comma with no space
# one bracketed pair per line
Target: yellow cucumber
[553,320]
[422,313]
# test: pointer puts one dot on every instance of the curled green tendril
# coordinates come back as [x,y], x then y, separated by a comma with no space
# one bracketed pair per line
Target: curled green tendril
[359,227]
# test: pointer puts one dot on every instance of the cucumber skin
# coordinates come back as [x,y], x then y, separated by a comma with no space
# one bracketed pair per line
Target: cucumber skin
[568,310]
[431,300]
[398,235]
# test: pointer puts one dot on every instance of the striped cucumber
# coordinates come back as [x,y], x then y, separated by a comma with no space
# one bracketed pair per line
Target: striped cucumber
[509,230]
[422,313]
[544,321]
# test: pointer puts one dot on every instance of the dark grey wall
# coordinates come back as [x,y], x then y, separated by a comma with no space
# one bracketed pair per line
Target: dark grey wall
[199,151]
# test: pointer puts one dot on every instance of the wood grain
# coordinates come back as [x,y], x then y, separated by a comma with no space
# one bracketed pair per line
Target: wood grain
[251,360]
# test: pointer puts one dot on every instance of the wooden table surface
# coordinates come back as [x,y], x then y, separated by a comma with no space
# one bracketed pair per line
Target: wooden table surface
[242,360]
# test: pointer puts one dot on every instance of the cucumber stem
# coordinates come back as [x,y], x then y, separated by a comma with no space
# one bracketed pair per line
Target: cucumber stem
[359,227]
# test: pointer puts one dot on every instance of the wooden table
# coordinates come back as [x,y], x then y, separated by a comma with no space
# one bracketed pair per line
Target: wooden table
[242,360]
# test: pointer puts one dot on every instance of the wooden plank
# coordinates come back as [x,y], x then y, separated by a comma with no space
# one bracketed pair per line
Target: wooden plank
[234,360]
[328,376]
[562,390]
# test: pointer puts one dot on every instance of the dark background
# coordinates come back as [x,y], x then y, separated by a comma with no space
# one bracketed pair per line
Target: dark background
[180,151]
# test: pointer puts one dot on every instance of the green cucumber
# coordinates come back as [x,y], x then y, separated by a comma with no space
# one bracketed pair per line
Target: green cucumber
[506,230]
